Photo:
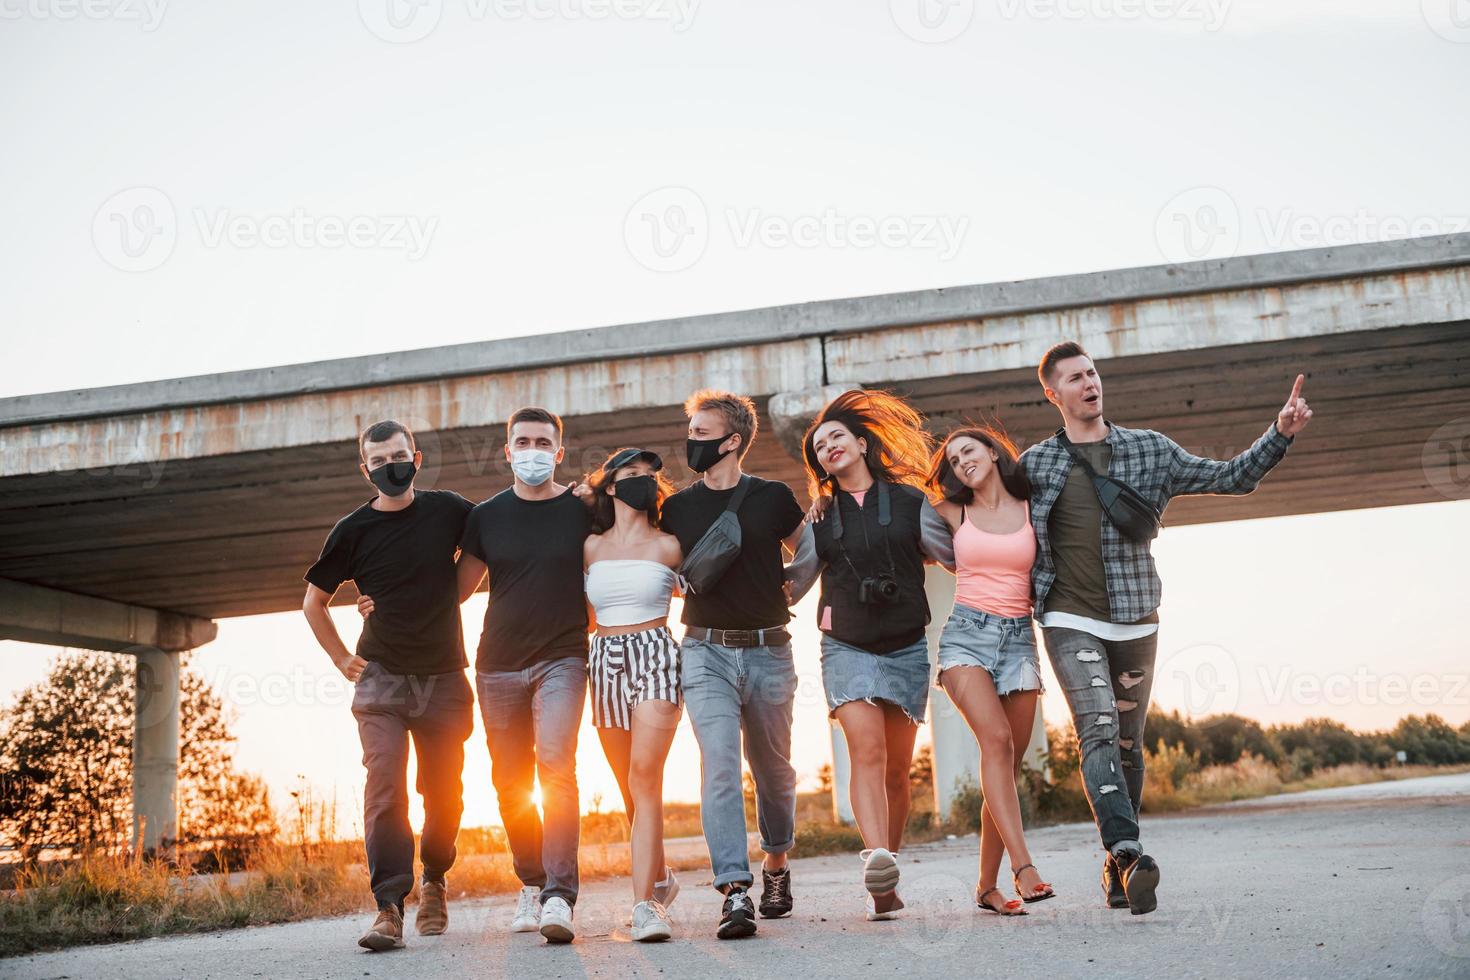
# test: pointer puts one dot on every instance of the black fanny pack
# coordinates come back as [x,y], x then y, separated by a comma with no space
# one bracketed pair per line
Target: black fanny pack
[717,549]
[1133,514]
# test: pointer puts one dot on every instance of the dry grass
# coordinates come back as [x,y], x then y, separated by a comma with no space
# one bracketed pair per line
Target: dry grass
[109,898]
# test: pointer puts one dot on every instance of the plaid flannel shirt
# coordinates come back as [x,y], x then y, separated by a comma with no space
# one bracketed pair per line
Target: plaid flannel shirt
[1157,467]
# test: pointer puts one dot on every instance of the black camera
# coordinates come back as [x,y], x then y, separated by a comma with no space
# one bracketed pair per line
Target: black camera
[878,590]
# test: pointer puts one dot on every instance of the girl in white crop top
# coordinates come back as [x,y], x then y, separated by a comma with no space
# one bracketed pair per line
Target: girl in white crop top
[633,665]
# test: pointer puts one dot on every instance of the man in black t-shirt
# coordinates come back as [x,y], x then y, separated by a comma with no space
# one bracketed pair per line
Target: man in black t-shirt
[408,671]
[531,668]
[736,666]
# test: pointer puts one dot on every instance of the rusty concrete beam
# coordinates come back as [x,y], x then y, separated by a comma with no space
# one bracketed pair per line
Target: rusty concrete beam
[1152,327]
[139,441]
[744,328]
[36,614]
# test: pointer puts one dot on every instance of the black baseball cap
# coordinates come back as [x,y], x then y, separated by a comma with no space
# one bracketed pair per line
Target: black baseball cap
[627,457]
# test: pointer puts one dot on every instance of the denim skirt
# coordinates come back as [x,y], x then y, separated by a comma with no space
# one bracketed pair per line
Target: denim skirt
[1004,647]
[900,678]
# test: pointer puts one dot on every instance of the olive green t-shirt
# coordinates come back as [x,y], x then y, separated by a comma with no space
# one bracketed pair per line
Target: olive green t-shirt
[1081,586]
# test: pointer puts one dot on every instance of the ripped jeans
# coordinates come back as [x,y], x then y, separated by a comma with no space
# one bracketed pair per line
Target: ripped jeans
[1107,683]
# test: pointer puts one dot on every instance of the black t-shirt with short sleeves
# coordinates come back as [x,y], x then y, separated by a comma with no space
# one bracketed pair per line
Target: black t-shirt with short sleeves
[404,560]
[749,595]
[533,550]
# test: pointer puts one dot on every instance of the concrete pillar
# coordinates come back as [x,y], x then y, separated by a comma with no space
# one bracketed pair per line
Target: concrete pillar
[156,751]
[956,756]
[841,775]
[154,638]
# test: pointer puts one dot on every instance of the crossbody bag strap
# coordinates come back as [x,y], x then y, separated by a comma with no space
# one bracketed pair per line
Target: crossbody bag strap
[738,497]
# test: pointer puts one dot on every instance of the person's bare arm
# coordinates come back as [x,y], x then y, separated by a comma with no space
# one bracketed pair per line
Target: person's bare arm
[314,607]
[471,572]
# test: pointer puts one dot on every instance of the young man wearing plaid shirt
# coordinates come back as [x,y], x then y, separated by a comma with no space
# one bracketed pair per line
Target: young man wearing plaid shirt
[1097,590]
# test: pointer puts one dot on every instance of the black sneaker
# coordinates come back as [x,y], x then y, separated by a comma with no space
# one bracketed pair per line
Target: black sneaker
[1140,881]
[775,893]
[737,918]
[1112,882]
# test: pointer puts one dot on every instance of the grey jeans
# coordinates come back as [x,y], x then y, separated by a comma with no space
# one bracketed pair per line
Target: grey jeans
[730,692]
[531,721]
[1107,683]
[437,711]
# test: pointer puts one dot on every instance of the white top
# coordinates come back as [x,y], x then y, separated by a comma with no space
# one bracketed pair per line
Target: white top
[624,591]
[1117,632]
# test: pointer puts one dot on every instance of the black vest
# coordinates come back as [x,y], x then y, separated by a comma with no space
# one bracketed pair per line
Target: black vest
[867,549]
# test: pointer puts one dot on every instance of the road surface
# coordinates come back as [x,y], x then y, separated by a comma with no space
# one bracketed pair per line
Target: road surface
[1361,881]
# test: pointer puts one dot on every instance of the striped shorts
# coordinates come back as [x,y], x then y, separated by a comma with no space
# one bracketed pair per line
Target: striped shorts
[627,670]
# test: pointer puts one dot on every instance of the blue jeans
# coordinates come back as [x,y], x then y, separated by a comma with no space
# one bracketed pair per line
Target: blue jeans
[531,721]
[1107,683]
[731,691]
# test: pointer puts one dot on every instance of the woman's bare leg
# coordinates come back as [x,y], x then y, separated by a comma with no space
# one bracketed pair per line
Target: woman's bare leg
[864,727]
[898,737]
[973,692]
[654,723]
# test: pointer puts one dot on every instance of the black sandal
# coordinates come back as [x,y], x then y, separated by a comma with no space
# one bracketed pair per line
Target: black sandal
[1010,906]
[1034,896]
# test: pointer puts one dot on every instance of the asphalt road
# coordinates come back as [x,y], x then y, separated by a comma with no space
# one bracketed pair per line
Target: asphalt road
[1362,881]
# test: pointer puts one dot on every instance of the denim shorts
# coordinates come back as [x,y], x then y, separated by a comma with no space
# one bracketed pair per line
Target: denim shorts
[901,678]
[1005,648]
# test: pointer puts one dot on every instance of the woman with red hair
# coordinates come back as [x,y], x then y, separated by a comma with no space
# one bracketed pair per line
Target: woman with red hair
[868,451]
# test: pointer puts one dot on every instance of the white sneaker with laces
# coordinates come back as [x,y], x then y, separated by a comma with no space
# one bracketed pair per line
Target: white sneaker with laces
[528,910]
[880,870]
[651,922]
[664,892]
[556,921]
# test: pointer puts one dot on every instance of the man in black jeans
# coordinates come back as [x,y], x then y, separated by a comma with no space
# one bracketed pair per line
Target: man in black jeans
[1096,591]
[408,670]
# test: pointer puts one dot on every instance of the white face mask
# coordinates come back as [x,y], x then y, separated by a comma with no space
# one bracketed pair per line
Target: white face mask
[532,467]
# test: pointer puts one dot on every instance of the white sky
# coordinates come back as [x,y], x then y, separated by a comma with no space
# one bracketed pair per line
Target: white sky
[1043,138]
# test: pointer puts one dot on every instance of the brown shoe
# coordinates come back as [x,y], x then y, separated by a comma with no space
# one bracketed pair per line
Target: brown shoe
[432,917]
[386,933]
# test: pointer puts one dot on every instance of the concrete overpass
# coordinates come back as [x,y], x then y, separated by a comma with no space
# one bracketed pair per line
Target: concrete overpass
[132,517]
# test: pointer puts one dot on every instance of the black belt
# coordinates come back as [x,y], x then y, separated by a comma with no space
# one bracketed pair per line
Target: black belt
[775,636]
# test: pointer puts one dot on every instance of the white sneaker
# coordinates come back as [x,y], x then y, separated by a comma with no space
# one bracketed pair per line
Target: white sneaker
[651,922]
[528,910]
[664,892]
[880,871]
[881,908]
[556,921]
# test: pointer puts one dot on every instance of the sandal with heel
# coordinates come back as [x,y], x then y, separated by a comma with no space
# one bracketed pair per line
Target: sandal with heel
[1007,906]
[1040,893]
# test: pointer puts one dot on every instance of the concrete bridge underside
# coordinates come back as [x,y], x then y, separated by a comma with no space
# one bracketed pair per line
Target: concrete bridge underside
[207,497]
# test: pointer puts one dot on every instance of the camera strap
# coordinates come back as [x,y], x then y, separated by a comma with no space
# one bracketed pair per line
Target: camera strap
[885,518]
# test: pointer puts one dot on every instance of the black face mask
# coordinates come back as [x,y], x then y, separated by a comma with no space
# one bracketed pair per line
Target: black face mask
[638,492]
[704,453]
[393,479]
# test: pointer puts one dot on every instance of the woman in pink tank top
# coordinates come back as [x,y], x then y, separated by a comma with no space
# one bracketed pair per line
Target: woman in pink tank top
[988,663]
